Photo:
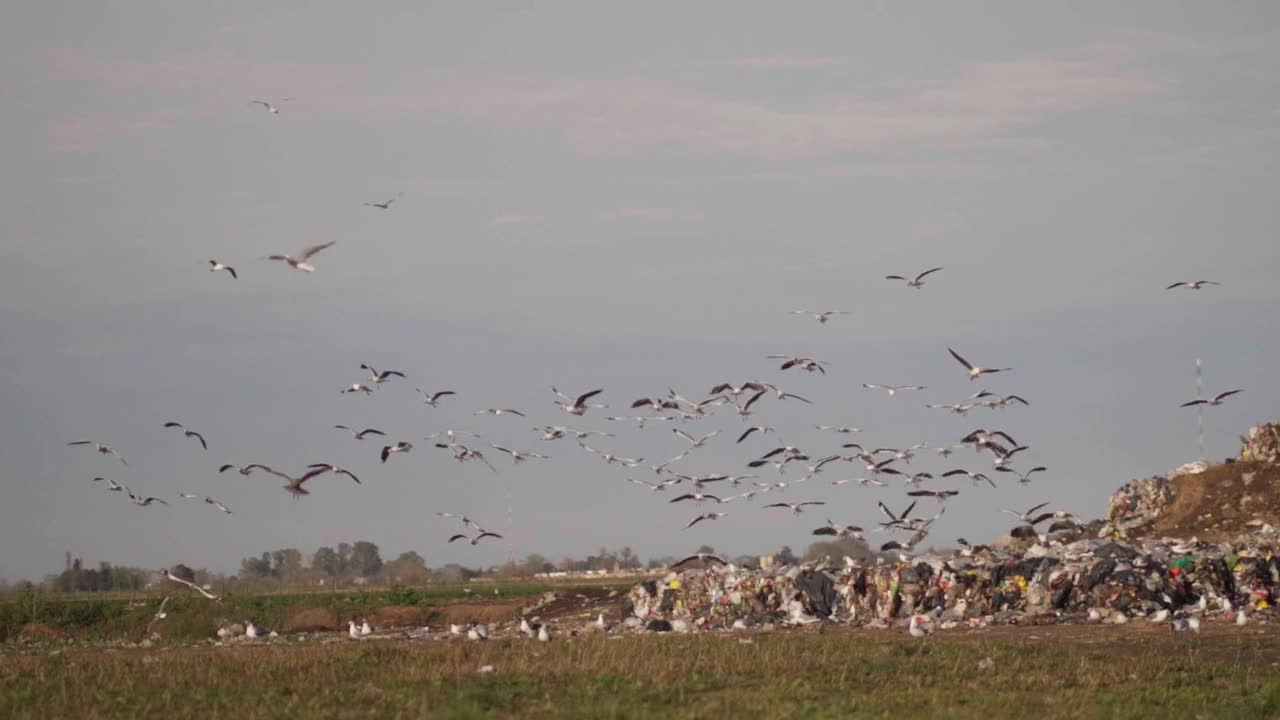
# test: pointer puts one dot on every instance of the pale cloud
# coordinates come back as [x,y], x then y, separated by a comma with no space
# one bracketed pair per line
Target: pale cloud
[648,214]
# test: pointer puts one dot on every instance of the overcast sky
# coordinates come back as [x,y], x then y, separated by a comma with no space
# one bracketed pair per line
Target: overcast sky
[631,198]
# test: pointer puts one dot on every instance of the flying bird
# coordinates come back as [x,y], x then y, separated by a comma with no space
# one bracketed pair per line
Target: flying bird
[917,282]
[1023,477]
[335,469]
[519,456]
[189,433]
[705,516]
[839,530]
[475,540]
[1192,284]
[795,508]
[976,477]
[270,108]
[246,470]
[383,205]
[356,387]
[578,406]
[939,495]
[753,429]
[294,484]
[463,519]
[189,584]
[822,316]
[892,389]
[695,442]
[103,449]
[377,378]
[659,486]
[704,557]
[694,496]
[974,371]
[433,398]
[1215,400]
[499,412]
[112,485]
[299,262]
[359,434]
[801,362]
[215,266]
[399,447]
[781,395]
[143,501]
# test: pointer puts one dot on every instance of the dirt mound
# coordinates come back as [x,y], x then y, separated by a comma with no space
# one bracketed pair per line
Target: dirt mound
[1220,503]
[311,620]
[399,616]
[481,612]
[583,604]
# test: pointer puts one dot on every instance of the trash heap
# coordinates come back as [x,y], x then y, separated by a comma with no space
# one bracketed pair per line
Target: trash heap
[1261,444]
[1137,505]
[1089,579]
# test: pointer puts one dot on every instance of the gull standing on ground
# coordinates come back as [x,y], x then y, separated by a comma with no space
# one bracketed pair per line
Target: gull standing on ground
[299,262]
[1215,400]
[917,282]
[975,372]
[103,449]
[215,266]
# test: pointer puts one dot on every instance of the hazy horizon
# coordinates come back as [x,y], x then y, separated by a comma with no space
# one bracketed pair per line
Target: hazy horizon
[629,199]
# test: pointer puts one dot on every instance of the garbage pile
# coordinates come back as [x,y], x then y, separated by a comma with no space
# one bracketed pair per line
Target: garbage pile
[1261,444]
[1138,504]
[1085,580]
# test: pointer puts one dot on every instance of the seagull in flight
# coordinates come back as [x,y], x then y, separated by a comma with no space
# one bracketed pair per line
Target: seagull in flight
[246,470]
[399,447]
[112,485]
[377,378]
[796,508]
[468,522]
[839,429]
[807,364]
[359,434]
[383,205]
[704,557]
[1215,400]
[498,412]
[294,486]
[1192,284]
[1029,516]
[659,486]
[270,108]
[753,429]
[610,458]
[917,282]
[939,495]
[207,500]
[101,448]
[578,406]
[335,469]
[475,540]
[839,530]
[189,584]
[215,266]
[433,398]
[299,262]
[736,390]
[976,477]
[356,387]
[1023,477]
[695,442]
[892,389]
[188,433]
[975,372]
[822,316]
[143,501]
[694,496]
[518,456]
[705,516]
[555,432]
[778,392]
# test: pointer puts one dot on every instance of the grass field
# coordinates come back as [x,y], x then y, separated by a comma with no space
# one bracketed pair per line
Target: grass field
[1041,672]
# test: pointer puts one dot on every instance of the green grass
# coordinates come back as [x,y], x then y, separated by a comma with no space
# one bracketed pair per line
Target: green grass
[191,617]
[1105,672]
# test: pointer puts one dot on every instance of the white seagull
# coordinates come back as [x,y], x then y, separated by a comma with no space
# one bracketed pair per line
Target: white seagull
[705,516]
[215,266]
[695,442]
[1215,400]
[519,456]
[892,389]
[359,434]
[796,508]
[270,108]
[578,406]
[188,433]
[399,447]
[822,316]
[103,449]
[1192,284]
[433,398]
[917,282]
[299,262]
[975,372]
[383,205]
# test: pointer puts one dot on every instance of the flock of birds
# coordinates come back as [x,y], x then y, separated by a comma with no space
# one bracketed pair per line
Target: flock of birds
[867,466]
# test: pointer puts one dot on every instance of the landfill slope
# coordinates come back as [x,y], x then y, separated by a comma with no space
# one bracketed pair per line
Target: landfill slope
[1216,504]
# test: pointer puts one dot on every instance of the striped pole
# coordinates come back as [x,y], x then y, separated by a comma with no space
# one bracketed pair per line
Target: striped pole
[1200,408]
